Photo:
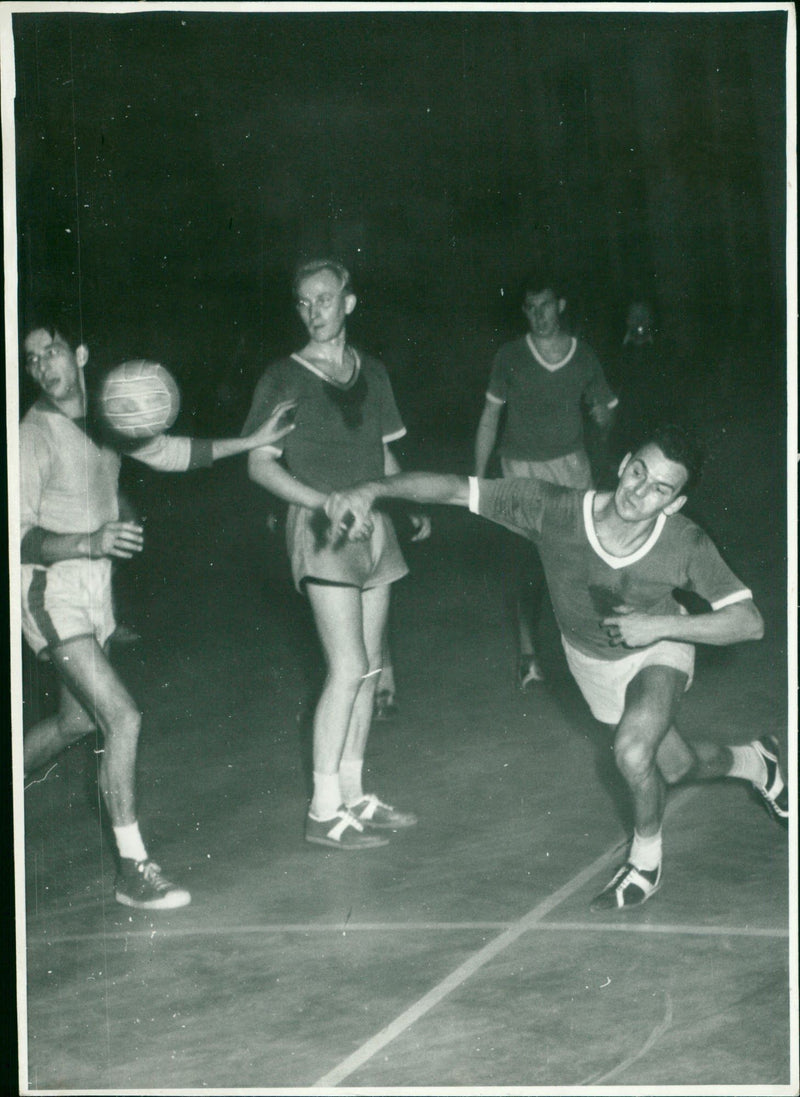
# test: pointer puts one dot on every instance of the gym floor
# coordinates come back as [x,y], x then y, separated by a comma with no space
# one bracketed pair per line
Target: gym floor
[464,953]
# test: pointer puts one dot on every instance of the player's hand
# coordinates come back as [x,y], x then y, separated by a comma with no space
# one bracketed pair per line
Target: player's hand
[631,629]
[280,422]
[122,539]
[422,526]
[350,513]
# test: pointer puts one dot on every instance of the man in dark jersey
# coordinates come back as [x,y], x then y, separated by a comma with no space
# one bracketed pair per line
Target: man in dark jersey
[346,419]
[543,380]
[612,561]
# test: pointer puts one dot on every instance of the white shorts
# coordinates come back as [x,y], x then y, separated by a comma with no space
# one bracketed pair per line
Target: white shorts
[68,600]
[604,682]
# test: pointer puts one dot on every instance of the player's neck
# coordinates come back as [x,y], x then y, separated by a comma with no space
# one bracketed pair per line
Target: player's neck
[552,347]
[618,537]
[72,406]
[333,357]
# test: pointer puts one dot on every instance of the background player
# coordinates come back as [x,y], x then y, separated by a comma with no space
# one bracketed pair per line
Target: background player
[71,532]
[543,379]
[612,561]
[346,418]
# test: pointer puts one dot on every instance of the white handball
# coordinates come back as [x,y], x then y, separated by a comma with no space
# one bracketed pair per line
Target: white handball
[139,399]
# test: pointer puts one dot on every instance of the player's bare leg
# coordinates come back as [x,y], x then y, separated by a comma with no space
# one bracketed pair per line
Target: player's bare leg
[49,737]
[651,700]
[368,808]
[92,686]
[92,680]
[338,614]
[530,595]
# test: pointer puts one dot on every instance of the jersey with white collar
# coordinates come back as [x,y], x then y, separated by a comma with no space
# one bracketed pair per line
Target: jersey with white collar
[586,583]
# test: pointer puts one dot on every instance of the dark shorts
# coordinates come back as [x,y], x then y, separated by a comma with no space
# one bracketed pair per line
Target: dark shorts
[363,564]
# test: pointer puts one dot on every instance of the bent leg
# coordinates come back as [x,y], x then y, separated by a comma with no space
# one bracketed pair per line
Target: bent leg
[650,703]
[100,693]
[49,737]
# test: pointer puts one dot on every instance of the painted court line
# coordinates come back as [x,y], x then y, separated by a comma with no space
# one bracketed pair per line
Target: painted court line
[464,971]
[409,927]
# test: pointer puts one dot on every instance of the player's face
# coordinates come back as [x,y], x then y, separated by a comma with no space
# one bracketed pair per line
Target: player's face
[323,306]
[53,364]
[543,312]
[649,484]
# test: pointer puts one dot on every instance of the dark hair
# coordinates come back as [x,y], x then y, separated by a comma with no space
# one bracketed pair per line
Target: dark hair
[54,323]
[314,266]
[678,445]
[538,281]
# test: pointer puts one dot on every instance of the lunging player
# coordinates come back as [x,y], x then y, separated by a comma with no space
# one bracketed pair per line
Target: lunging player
[612,560]
[71,533]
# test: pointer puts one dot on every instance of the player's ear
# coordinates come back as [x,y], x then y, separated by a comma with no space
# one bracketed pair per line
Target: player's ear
[675,505]
[349,303]
[623,465]
[82,355]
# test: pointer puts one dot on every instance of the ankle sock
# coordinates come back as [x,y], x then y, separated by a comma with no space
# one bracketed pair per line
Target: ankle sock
[327,795]
[747,764]
[129,842]
[350,780]
[646,852]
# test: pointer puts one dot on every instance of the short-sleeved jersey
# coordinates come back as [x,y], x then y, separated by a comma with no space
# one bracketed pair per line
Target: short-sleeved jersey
[543,401]
[69,480]
[339,430]
[587,583]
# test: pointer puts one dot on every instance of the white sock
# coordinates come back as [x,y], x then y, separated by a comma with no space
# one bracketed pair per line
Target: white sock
[327,795]
[646,852]
[350,779]
[748,764]
[129,842]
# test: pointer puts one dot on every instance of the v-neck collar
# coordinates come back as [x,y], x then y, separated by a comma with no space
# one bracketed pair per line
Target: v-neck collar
[319,373]
[551,367]
[617,562]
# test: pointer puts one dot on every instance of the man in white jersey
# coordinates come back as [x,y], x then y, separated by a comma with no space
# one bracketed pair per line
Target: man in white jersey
[543,381]
[612,561]
[71,532]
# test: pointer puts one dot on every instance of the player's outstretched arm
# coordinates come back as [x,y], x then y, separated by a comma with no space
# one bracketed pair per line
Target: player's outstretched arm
[280,422]
[350,509]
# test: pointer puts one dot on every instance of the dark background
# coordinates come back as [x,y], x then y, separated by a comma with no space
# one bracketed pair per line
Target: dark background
[173,167]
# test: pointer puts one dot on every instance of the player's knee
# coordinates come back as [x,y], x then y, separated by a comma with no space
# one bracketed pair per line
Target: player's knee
[634,757]
[350,673]
[125,723]
[74,727]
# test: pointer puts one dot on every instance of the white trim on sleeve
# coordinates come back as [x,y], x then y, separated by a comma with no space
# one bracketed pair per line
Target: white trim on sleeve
[732,599]
[393,437]
[474,494]
[494,399]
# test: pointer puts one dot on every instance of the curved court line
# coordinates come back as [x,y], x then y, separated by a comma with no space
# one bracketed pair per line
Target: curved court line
[652,1039]
[463,972]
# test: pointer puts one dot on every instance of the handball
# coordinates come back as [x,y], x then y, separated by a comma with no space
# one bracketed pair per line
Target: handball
[139,399]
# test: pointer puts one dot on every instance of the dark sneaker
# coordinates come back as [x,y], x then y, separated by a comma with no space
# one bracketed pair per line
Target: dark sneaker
[141,884]
[629,887]
[528,671]
[386,707]
[375,813]
[773,792]
[343,831]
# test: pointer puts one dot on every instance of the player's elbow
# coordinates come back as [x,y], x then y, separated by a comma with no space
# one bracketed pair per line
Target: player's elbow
[757,622]
[752,621]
